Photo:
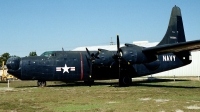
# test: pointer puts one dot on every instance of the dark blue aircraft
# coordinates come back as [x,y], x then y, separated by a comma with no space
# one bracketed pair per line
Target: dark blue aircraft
[127,62]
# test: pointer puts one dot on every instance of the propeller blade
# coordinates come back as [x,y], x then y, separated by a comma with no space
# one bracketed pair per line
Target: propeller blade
[119,56]
[87,60]
[88,51]
[118,43]
[119,69]
[90,75]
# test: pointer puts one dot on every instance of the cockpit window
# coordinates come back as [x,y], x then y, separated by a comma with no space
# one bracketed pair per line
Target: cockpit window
[48,54]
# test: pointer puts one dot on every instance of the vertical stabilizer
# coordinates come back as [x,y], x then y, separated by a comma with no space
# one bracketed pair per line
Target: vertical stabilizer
[175,32]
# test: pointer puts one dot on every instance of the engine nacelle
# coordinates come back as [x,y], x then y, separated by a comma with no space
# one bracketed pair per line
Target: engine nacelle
[134,55]
[104,58]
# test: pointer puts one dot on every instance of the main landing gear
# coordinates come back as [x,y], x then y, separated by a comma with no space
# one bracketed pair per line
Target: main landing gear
[41,83]
[125,81]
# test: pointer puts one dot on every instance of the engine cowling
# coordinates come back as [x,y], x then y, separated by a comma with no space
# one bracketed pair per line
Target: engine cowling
[134,55]
[104,58]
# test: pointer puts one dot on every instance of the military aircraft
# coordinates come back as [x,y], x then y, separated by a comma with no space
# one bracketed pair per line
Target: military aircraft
[124,64]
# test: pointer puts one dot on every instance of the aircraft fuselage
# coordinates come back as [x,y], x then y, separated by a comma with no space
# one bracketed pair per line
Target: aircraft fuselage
[73,66]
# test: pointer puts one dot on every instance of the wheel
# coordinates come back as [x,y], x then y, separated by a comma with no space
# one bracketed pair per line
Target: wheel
[44,84]
[41,83]
[125,81]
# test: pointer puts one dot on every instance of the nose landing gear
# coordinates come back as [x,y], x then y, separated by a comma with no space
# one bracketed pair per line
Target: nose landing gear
[41,83]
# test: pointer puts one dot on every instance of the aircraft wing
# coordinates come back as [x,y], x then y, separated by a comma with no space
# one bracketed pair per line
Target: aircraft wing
[176,47]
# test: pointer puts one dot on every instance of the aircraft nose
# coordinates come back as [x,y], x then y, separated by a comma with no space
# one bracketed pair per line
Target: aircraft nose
[13,65]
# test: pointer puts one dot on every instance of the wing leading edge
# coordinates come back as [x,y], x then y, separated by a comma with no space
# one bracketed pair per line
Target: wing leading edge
[171,48]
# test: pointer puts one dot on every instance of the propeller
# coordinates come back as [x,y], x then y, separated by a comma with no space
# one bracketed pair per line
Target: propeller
[118,55]
[124,79]
[92,56]
[91,59]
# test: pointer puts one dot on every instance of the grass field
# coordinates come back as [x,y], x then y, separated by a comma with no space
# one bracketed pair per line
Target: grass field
[160,95]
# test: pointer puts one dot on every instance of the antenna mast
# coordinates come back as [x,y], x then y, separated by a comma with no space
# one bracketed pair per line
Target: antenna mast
[111,42]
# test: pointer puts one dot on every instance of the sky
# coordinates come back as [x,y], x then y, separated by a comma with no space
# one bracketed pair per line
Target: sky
[49,25]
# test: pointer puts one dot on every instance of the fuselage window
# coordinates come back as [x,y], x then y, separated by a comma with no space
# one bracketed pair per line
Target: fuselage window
[48,54]
[53,54]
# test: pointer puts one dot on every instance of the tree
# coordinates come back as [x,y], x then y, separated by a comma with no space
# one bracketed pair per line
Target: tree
[4,57]
[33,53]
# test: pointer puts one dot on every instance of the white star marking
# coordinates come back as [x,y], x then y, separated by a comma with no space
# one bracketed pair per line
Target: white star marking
[66,69]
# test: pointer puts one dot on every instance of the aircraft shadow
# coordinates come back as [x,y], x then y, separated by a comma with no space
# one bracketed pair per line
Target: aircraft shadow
[157,80]
[145,83]
[151,83]
[111,83]
[148,83]
[75,84]
[167,86]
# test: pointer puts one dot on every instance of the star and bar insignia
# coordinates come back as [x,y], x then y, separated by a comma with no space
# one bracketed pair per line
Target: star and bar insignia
[65,69]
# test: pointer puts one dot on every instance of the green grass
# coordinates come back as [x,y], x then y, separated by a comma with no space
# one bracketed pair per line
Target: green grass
[158,95]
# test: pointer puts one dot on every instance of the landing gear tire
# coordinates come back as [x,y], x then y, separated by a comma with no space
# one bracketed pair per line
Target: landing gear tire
[125,81]
[41,83]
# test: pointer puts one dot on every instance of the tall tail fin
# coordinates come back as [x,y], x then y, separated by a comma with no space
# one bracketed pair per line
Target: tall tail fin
[175,32]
